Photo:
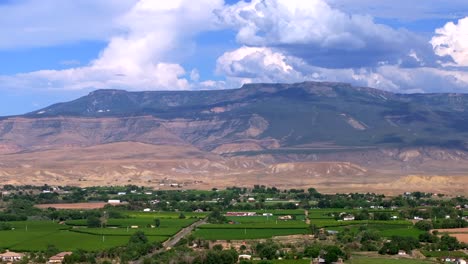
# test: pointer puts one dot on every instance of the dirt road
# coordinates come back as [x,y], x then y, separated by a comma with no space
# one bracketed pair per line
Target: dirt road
[173,240]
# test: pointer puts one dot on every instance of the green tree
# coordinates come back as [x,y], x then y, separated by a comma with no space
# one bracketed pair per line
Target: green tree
[93,221]
[157,222]
[424,225]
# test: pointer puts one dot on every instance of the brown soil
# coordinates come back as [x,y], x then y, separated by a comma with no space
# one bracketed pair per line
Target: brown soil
[461,237]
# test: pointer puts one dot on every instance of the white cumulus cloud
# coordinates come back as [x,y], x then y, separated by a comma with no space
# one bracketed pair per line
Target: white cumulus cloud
[314,31]
[142,57]
[452,40]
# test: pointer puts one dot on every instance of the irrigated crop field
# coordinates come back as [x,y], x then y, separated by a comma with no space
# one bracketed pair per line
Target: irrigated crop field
[36,235]
[256,227]
[371,260]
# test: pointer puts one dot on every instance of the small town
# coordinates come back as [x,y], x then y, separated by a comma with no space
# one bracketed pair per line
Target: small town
[262,224]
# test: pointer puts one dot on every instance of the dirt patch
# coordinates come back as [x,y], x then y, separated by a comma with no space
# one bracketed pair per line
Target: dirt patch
[460,233]
[453,230]
[461,237]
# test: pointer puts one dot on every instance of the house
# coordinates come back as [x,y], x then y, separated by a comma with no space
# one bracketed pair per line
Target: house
[240,214]
[121,193]
[59,257]
[460,261]
[113,201]
[198,211]
[147,210]
[245,257]
[348,218]
[251,200]
[10,256]
[317,261]
[285,217]
[402,253]
[267,214]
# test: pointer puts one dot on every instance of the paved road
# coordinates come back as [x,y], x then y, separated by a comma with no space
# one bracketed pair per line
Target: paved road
[173,240]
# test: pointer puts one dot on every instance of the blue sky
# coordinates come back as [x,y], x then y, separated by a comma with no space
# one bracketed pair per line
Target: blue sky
[58,50]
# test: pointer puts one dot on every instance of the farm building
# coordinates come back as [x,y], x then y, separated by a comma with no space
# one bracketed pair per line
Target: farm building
[241,214]
[10,256]
[59,257]
[348,218]
[285,217]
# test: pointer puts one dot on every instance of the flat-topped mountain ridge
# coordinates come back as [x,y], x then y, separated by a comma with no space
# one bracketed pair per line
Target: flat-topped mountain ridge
[262,125]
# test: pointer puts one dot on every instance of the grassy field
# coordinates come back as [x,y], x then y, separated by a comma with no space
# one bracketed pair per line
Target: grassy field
[438,254]
[333,222]
[172,215]
[140,222]
[288,261]
[371,260]
[255,227]
[325,213]
[36,235]
[240,234]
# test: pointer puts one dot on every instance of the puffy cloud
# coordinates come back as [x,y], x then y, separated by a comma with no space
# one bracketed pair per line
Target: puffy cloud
[318,33]
[141,58]
[452,40]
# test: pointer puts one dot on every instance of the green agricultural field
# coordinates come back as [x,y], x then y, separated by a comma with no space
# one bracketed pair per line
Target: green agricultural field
[36,235]
[334,223]
[403,231]
[279,225]
[140,222]
[439,254]
[166,232]
[240,234]
[288,261]
[173,215]
[325,213]
[370,260]
[385,230]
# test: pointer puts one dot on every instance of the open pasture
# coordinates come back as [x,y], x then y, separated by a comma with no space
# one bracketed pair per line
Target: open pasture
[255,227]
[37,235]
[240,234]
[372,260]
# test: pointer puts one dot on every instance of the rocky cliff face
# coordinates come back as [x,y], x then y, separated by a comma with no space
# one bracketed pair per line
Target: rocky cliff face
[319,133]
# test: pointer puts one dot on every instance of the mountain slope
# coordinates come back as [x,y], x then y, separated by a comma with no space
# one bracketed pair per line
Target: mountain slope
[249,131]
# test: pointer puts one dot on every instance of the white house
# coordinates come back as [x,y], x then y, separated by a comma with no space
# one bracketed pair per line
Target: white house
[245,257]
[147,210]
[349,218]
[113,201]
[10,256]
